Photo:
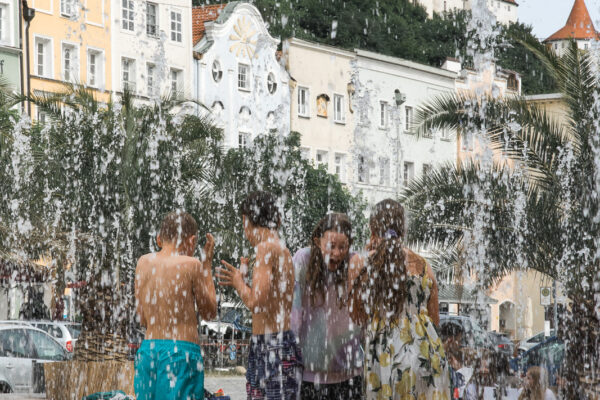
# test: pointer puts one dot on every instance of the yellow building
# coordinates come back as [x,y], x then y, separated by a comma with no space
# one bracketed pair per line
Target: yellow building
[69,41]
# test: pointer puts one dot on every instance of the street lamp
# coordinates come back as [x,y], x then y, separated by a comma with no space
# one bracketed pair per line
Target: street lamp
[28,15]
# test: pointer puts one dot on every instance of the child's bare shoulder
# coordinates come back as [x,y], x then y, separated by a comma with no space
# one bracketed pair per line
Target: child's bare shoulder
[275,248]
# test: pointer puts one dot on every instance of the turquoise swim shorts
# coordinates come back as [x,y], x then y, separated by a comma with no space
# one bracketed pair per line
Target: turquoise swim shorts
[169,370]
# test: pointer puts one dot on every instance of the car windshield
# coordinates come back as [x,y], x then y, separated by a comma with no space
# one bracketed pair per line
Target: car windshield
[74,330]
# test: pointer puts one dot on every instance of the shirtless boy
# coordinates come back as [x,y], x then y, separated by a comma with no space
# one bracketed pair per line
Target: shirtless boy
[171,287]
[274,360]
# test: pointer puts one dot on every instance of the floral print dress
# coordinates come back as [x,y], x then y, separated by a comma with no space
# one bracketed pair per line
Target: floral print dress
[405,357]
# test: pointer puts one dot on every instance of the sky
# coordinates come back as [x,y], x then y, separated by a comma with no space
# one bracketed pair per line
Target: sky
[548,16]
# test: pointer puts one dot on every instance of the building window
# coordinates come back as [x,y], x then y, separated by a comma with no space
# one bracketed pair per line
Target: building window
[555,46]
[176,83]
[176,26]
[152,19]
[70,68]
[338,108]
[43,57]
[242,139]
[383,114]
[426,169]
[151,79]
[363,170]
[305,153]
[271,83]
[127,14]
[3,22]
[303,107]
[322,159]
[67,8]
[585,46]
[409,172]
[217,72]
[243,77]
[408,118]
[384,171]
[339,166]
[95,69]
[128,74]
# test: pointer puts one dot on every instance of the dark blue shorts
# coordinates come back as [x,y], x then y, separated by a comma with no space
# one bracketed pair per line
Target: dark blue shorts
[274,367]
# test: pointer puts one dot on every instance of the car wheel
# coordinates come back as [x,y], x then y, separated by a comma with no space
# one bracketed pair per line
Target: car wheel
[5,388]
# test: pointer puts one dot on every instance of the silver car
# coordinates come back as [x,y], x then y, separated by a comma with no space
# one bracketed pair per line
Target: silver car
[20,345]
[65,333]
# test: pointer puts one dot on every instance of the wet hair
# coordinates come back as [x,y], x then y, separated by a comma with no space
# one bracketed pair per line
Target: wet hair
[386,268]
[451,330]
[177,226]
[316,274]
[260,208]
[538,389]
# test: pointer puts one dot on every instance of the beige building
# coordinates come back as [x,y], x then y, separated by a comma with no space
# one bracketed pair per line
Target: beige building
[321,89]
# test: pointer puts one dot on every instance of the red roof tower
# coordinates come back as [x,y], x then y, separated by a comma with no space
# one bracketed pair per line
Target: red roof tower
[579,25]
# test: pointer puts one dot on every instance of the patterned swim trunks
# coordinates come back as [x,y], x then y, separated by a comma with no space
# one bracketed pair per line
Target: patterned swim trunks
[274,367]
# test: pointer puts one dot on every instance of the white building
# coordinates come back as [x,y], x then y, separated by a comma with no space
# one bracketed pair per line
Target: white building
[151,45]
[387,151]
[505,11]
[237,73]
[321,110]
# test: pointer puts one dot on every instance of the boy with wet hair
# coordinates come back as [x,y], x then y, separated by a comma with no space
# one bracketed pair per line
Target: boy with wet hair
[274,360]
[171,288]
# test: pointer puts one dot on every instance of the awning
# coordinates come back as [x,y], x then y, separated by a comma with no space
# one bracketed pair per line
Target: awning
[15,269]
[455,293]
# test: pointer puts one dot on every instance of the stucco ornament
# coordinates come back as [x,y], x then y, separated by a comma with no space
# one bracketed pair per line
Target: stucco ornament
[244,44]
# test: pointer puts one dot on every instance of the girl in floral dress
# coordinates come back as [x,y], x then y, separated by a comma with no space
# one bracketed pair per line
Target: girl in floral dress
[396,295]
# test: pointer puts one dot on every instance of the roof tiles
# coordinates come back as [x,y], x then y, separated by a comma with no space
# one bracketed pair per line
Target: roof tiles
[201,15]
[579,25]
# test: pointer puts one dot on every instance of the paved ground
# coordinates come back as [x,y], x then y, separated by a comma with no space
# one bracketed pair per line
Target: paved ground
[233,386]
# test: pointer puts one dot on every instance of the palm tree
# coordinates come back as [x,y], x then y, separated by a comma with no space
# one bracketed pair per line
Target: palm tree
[537,205]
[99,178]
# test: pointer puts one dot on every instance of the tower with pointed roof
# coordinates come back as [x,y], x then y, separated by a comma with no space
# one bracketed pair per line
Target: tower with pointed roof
[579,27]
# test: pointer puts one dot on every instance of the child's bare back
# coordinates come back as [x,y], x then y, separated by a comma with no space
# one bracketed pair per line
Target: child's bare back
[169,288]
[272,312]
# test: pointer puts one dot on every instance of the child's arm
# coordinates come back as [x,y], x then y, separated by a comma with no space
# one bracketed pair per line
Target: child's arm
[138,283]
[204,287]
[433,306]
[256,297]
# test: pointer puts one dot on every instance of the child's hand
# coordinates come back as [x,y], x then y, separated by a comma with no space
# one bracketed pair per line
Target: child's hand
[209,248]
[230,276]
[244,267]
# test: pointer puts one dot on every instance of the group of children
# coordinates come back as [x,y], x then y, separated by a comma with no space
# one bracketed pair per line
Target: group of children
[311,313]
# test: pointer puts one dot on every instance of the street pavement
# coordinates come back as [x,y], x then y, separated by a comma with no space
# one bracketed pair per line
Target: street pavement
[233,386]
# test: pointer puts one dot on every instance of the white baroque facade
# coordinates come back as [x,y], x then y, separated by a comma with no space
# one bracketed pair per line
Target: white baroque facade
[388,153]
[238,76]
[321,107]
[151,43]
[505,11]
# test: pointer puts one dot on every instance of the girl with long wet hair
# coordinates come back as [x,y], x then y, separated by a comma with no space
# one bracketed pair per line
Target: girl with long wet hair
[330,341]
[396,296]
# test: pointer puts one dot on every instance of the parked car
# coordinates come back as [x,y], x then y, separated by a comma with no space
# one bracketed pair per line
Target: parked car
[534,340]
[20,345]
[474,337]
[503,344]
[548,354]
[66,333]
